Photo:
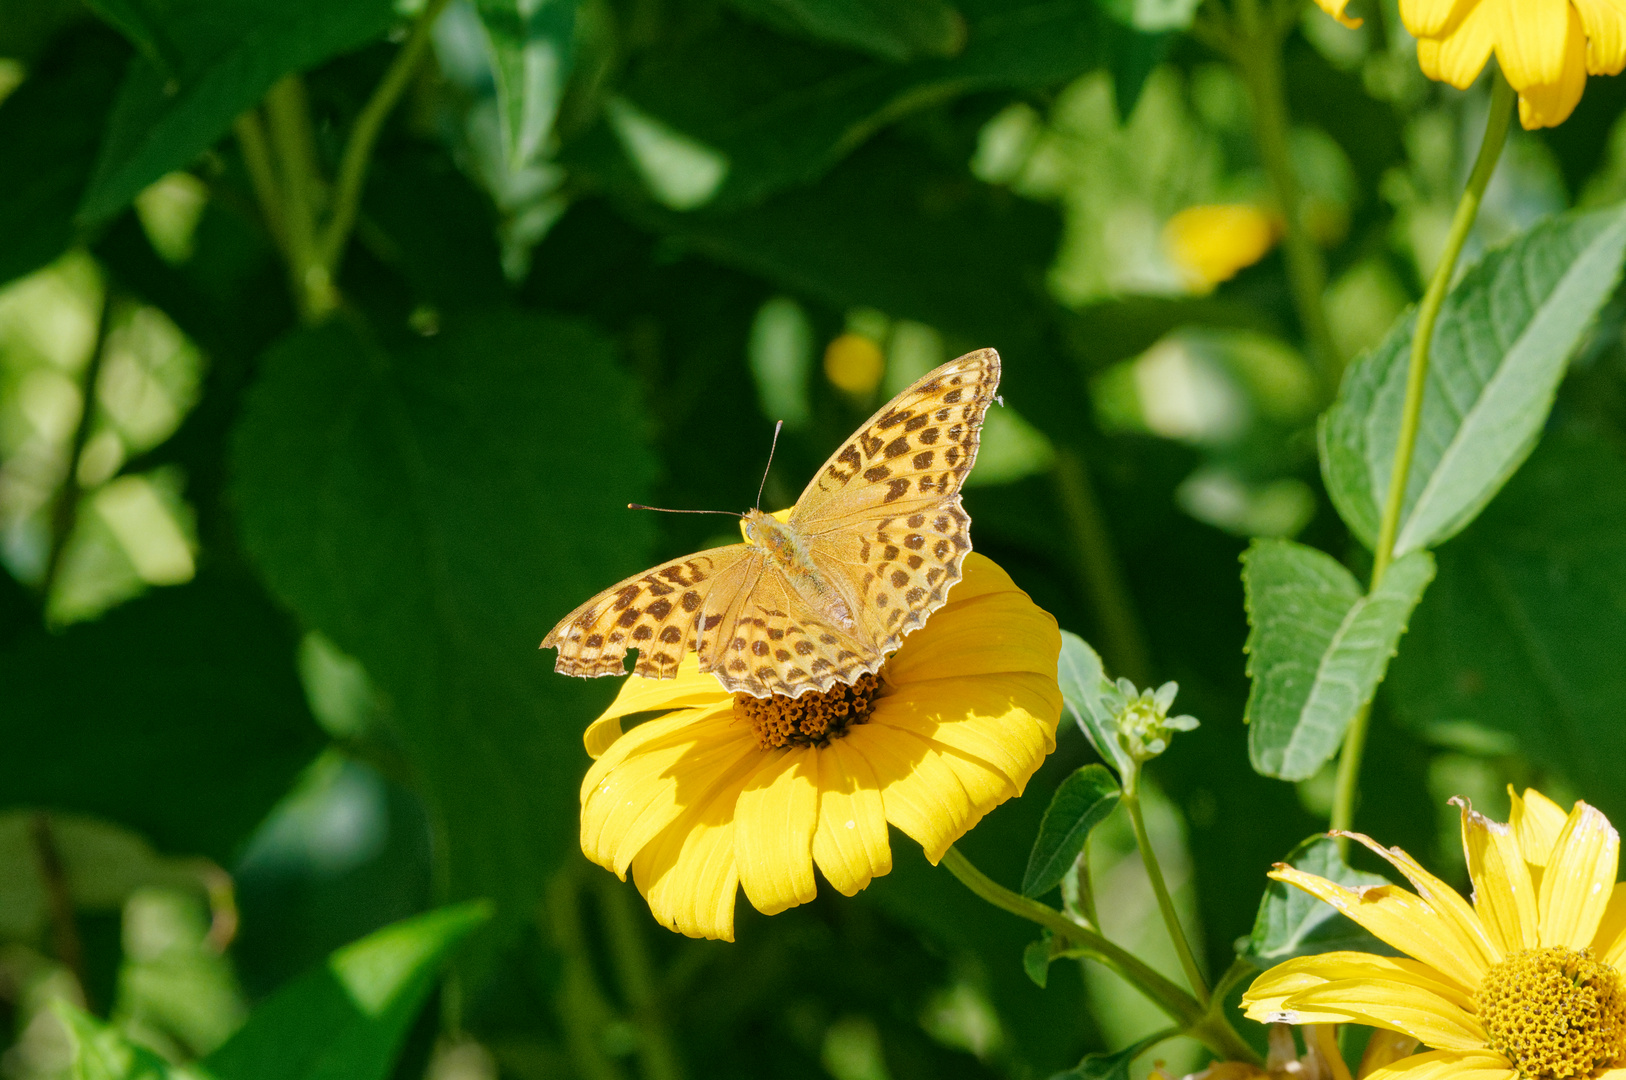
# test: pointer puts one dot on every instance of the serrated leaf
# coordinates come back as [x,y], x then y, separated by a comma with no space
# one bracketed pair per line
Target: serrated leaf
[896,30]
[433,509]
[1502,343]
[347,1019]
[1317,649]
[1081,803]
[532,47]
[229,52]
[1292,923]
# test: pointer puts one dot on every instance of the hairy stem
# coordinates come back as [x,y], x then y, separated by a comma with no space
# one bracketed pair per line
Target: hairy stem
[1165,903]
[1411,413]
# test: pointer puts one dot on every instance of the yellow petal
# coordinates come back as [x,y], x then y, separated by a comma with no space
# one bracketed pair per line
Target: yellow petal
[921,793]
[641,787]
[1609,943]
[1473,944]
[687,873]
[1433,18]
[1005,721]
[774,820]
[1398,918]
[991,633]
[1213,243]
[691,688]
[1605,22]
[1504,896]
[1458,57]
[1335,8]
[1384,1048]
[851,845]
[980,576]
[1550,104]
[1397,1006]
[1447,1065]
[1530,44]
[1579,879]
[1266,998]
[1537,820]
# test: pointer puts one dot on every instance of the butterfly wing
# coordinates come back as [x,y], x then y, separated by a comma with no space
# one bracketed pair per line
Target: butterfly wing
[662,612]
[772,642]
[884,512]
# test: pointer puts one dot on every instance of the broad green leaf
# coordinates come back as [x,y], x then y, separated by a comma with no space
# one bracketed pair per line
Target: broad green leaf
[1081,803]
[433,510]
[50,127]
[346,1020]
[190,691]
[1086,693]
[101,1052]
[1036,960]
[1502,343]
[229,52]
[895,30]
[1292,923]
[1525,629]
[143,23]
[532,47]
[1317,649]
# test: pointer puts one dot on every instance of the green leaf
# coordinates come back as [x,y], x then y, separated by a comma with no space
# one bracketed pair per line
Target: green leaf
[532,48]
[346,1020]
[1087,695]
[1292,923]
[433,509]
[1036,960]
[1111,1066]
[1502,343]
[1081,803]
[142,23]
[229,53]
[1317,649]
[50,127]
[1525,628]
[190,691]
[101,1052]
[896,30]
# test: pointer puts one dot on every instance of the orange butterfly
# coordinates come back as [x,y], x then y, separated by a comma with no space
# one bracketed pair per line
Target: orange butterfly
[867,553]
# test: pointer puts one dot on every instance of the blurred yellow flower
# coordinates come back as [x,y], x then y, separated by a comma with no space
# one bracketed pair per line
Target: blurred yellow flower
[1546,48]
[1523,982]
[1210,244]
[724,791]
[854,364]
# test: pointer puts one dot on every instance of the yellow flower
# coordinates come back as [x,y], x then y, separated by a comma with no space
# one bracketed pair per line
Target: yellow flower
[1525,981]
[1212,243]
[854,364]
[726,791]
[1546,48]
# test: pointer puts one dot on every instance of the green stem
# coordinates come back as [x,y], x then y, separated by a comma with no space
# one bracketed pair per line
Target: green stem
[262,176]
[358,149]
[657,1055]
[1411,412]
[1165,903]
[295,147]
[583,1011]
[1122,638]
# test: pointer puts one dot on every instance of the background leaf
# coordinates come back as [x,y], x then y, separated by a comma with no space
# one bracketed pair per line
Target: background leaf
[1317,650]
[1081,803]
[1292,923]
[532,50]
[895,30]
[1503,340]
[101,1052]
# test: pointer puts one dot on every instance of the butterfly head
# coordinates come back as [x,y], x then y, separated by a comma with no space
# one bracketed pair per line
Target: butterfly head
[765,530]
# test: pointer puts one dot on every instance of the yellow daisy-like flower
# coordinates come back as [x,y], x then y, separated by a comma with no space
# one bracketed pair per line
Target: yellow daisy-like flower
[726,791]
[1526,981]
[1211,244]
[1546,48]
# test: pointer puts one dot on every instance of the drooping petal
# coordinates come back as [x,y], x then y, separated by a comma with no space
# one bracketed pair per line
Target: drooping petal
[1265,999]
[1537,820]
[1384,1048]
[1006,721]
[1550,104]
[1473,943]
[1503,893]
[1579,879]
[1530,43]
[1458,57]
[778,810]
[691,688]
[1335,8]
[1397,1006]
[1398,918]
[1434,18]
[994,632]
[1605,22]
[850,845]
[1609,943]
[687,873]
[646,780]
[922,795]
[1447,1065]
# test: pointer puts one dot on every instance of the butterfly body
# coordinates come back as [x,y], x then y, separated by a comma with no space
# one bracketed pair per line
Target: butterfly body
[868,552]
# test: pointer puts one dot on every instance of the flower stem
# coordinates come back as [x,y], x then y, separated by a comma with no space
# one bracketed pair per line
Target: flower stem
[1411,413]
[1165,903]
[289,115]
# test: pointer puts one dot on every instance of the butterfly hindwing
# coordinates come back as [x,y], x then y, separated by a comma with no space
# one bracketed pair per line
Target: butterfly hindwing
[777,645]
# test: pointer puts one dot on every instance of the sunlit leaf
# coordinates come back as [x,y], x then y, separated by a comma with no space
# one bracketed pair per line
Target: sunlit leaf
[1292,923]
[101,1052]
[532,49]
[1081,803]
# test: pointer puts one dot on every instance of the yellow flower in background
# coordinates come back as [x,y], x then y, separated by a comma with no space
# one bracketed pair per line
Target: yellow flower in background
[1212,244]
[1546,48]
[854,364]
[1525,981]
[725,791]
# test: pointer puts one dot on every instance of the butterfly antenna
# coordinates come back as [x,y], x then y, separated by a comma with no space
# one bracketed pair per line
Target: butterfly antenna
[666,510]
[771,447]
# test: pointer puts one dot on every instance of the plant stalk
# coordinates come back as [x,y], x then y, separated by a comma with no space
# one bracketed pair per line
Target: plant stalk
[1411,413]
[657,1054]
[1165,903]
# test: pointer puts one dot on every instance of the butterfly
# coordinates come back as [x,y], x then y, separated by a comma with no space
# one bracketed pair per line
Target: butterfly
[868,552]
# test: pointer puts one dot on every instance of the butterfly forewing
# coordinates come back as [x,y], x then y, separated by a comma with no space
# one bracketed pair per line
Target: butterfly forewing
[778,645]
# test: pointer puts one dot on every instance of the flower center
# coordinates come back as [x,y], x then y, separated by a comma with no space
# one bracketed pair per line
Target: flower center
[1555,1013]
[812,719]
